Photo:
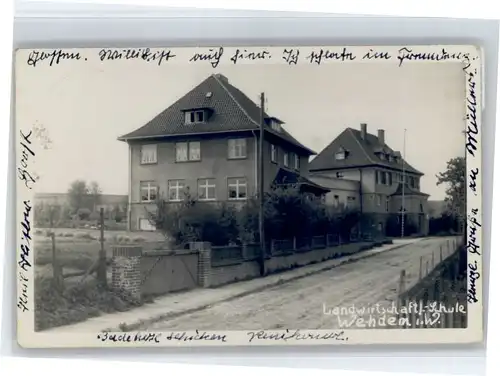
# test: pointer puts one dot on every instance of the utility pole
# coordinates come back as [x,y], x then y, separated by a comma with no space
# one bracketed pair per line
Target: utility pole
[261,188]
[403,188]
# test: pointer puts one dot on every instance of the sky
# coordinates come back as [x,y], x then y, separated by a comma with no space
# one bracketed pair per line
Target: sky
[86,107]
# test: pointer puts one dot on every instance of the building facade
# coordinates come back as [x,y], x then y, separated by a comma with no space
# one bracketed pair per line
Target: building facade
[206,145]
[388,187]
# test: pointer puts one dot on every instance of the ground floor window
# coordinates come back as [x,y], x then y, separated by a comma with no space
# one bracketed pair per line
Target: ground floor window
[146,225]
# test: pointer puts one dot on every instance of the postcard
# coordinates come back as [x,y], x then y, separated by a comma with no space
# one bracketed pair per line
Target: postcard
[222,196]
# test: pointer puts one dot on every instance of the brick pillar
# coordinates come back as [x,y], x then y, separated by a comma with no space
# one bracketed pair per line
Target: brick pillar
[126,270]
[204,262]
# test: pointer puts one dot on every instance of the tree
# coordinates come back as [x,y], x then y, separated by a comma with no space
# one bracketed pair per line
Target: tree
[95,193]
[455,179]
[77,195]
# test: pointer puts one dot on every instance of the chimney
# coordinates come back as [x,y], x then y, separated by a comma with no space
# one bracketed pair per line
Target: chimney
[381,136]
[222,78]
[363,131]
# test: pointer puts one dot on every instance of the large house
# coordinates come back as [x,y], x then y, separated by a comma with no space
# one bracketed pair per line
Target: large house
[376,179]
[207,142]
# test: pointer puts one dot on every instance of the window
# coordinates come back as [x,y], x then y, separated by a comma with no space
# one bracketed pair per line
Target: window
[274,153]
[421,208]
[389,178]
[275,126]
[187,151]
[237,148]
[285,159]
[384,178]
[194,117]
[175,190]
[237,188]
[149,191]
[206,189]
[381,156]
[412,182]
[340,155]
[296,161]
[379,200]
[377,178]
[149,154]
[339,175]
[146,225]
[336,201]
[401,178]
[389,157]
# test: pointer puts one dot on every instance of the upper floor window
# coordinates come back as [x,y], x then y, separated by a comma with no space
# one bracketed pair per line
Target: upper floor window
[149,153]
[237,188]
[389,178]
[175,189]
[296,161]
[274,153]
[198,116]
[149,191]
[206,189]
[285,159]
[187,151]
[383,177]
[237,148]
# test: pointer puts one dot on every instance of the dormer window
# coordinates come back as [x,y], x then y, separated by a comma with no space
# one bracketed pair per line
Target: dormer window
[198,116]
[275,126]
[341,154]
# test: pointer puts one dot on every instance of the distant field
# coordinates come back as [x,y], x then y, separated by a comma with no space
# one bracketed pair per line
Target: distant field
[77,249]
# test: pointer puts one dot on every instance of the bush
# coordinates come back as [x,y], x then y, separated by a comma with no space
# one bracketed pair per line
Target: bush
[288,213]
[83,214]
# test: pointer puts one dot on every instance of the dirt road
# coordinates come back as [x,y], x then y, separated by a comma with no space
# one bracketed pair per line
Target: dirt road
[305,303]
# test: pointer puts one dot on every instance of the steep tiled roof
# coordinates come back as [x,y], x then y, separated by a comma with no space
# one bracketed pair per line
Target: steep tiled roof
[361,152]
[232,111]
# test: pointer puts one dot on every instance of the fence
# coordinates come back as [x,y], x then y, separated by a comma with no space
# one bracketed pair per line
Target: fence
[435,298]
[98,267]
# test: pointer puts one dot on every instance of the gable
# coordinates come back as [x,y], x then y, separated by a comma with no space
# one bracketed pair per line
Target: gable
[361,153]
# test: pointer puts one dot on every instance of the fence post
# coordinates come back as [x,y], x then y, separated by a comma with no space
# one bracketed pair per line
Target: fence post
[421,266]
[433,264]
[101,269]
[126,270]
[427,268]
[440,253]
[204,262]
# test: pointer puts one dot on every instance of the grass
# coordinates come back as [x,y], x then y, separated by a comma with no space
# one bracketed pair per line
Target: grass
[76,303]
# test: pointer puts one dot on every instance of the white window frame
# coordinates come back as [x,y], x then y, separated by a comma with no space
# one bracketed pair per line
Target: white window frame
[206,185]
[179,186]
[286,161]
[274,153]
[190,117]
[340,155]
[275,126]
[237,148]
[149,154]
[149,227]
[237,184]
[149,186]
[188,151]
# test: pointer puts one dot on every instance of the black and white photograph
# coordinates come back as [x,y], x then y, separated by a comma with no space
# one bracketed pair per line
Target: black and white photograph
[249,196]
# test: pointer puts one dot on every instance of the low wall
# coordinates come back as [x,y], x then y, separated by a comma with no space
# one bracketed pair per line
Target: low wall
[158,272]
[224,274]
